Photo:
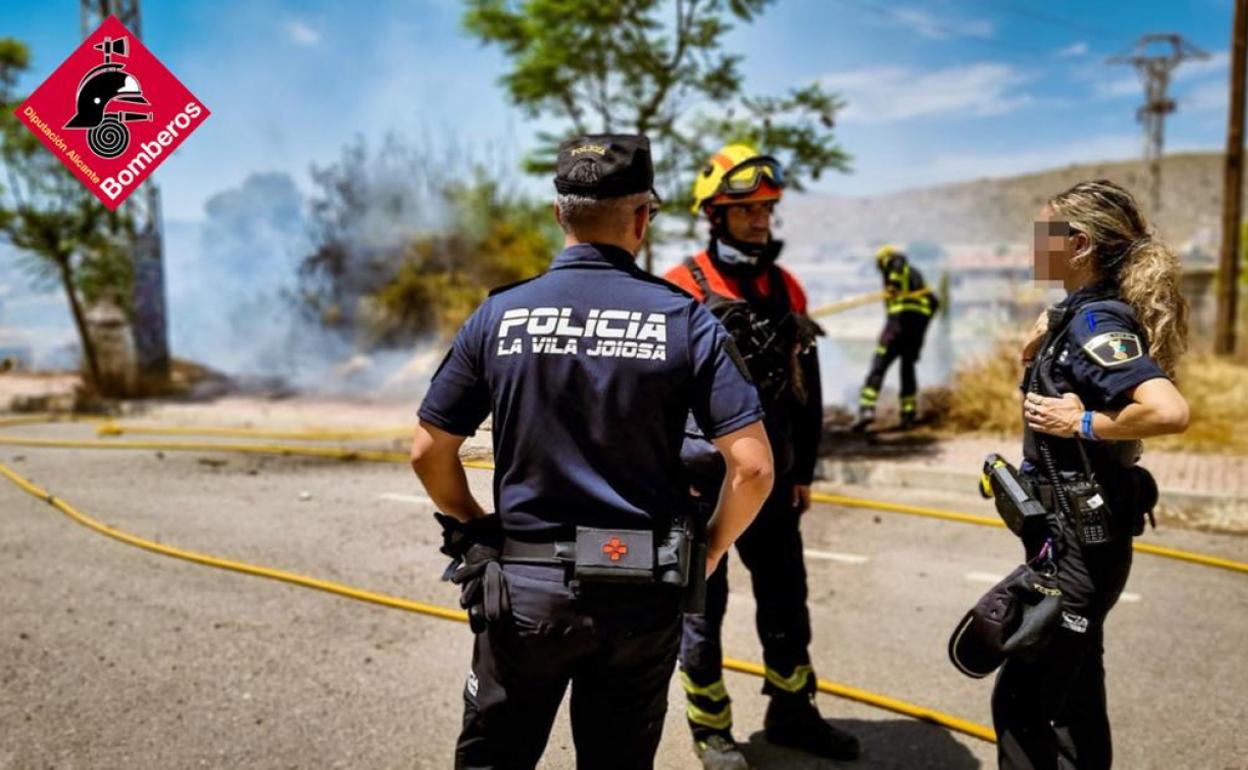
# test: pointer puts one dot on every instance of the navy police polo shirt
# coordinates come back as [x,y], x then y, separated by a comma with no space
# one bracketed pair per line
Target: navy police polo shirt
[1102,357]
[590,371]
[1104,354]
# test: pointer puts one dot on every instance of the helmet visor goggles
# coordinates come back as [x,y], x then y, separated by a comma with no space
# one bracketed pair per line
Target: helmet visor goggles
[746,177]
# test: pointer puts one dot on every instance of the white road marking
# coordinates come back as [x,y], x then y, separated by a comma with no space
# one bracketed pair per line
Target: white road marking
[988,577]
[399,498]
[846,558]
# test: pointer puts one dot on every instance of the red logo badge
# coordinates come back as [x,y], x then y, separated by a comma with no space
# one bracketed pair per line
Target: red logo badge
[112,113]
[614,548]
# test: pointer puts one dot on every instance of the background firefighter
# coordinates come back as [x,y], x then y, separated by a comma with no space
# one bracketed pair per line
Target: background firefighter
[910,305]
[764,308]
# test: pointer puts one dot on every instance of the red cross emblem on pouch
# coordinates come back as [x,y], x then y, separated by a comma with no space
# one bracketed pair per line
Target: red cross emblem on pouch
[614,548]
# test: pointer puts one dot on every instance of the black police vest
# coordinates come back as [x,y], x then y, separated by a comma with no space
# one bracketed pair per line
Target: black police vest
[764,327]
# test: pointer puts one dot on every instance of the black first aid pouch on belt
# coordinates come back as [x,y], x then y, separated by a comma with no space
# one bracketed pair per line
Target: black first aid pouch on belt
[614,555]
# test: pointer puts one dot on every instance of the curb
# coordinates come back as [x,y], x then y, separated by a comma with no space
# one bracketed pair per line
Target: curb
[1210,511]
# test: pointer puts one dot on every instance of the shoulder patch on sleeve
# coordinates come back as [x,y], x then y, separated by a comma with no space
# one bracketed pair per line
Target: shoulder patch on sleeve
[1114,348]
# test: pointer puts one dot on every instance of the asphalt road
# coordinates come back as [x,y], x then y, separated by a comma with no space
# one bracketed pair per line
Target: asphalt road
[113,657]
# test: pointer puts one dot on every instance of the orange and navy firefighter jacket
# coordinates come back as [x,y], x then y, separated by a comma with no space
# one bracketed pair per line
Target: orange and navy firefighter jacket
[793,426]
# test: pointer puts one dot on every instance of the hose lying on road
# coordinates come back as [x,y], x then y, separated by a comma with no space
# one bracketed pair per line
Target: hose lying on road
[307,434]
[374,455]
[1203,559]
[447,613]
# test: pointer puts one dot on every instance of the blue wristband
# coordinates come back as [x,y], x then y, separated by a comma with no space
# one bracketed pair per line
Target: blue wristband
[1086,428]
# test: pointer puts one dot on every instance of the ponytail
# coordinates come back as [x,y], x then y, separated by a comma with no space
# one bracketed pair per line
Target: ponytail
[1149,279]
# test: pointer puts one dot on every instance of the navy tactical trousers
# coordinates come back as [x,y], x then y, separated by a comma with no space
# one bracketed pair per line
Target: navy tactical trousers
[615,645]
[1050,712]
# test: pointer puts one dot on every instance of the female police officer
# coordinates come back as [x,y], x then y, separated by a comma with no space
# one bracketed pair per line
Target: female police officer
[1099,382]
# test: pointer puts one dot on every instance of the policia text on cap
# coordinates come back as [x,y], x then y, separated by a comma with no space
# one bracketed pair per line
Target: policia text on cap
[576,578]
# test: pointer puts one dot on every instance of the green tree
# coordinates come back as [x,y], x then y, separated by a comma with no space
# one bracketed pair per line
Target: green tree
[402,249]
[655,67]
[64,235]
[493,239]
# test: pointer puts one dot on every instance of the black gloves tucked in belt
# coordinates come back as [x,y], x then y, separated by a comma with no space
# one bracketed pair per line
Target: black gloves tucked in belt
[474,548]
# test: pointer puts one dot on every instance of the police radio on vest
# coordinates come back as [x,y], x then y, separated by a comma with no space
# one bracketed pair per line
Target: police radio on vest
[553,331]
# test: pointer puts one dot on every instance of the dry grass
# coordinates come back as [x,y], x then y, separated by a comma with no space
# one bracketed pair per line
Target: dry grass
[1217,392]
[984,398]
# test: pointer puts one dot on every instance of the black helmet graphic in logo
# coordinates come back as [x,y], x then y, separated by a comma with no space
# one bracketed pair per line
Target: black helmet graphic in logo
[104,95]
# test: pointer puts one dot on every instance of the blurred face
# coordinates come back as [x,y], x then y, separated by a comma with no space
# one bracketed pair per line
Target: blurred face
[1053,246]
[749,222]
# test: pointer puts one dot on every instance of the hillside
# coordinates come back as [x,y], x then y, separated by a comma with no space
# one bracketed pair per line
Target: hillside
[1000,210]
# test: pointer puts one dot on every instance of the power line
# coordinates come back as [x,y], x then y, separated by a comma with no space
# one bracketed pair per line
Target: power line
[1154,70]
[1023,11]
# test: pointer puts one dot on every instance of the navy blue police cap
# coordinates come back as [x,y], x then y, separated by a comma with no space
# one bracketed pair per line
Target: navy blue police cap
[607,166]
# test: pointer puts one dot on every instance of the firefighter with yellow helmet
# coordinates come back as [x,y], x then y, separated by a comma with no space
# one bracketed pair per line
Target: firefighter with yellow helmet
[910,305]
[764,309]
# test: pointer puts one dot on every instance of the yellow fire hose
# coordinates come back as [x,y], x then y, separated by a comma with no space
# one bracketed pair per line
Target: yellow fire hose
[308,434]
[447,613]
[858,300]
[381,456]
[849,303]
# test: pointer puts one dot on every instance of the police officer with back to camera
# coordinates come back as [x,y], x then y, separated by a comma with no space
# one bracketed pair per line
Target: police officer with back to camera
[590,371]
[764,308]
[910,304]
[1098,381]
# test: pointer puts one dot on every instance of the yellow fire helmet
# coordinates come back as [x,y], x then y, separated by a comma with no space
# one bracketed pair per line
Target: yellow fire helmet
[887,252]
[737,174]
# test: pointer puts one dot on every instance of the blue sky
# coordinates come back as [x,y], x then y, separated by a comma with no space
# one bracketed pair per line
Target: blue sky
[939,90]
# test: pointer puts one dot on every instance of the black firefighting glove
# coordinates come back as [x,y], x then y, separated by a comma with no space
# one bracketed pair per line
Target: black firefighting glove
[474,548]
[458,536]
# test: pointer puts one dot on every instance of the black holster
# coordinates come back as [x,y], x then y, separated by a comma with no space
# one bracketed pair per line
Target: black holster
[693,598]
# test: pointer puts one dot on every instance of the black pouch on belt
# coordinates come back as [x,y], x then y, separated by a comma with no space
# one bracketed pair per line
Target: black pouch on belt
[614,555]
[1143,494]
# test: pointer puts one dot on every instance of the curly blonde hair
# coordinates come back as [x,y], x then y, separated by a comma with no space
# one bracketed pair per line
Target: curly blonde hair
[1126,253]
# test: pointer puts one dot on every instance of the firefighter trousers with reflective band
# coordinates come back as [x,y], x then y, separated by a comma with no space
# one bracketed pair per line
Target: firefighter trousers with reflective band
[902,338]
[771,549]
[615,645]
[1050,712]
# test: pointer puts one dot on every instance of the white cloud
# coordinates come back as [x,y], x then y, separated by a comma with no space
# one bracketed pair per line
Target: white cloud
[1025,160]
[1213,96]
[301,34]
[886,94]
[1074,50]
[936,28]
[882,169]
[1118,86]
[1218,63]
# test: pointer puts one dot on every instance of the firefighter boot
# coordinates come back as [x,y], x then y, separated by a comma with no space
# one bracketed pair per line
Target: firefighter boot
[866,416]
[909,412]
[793,721]
[718,751]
